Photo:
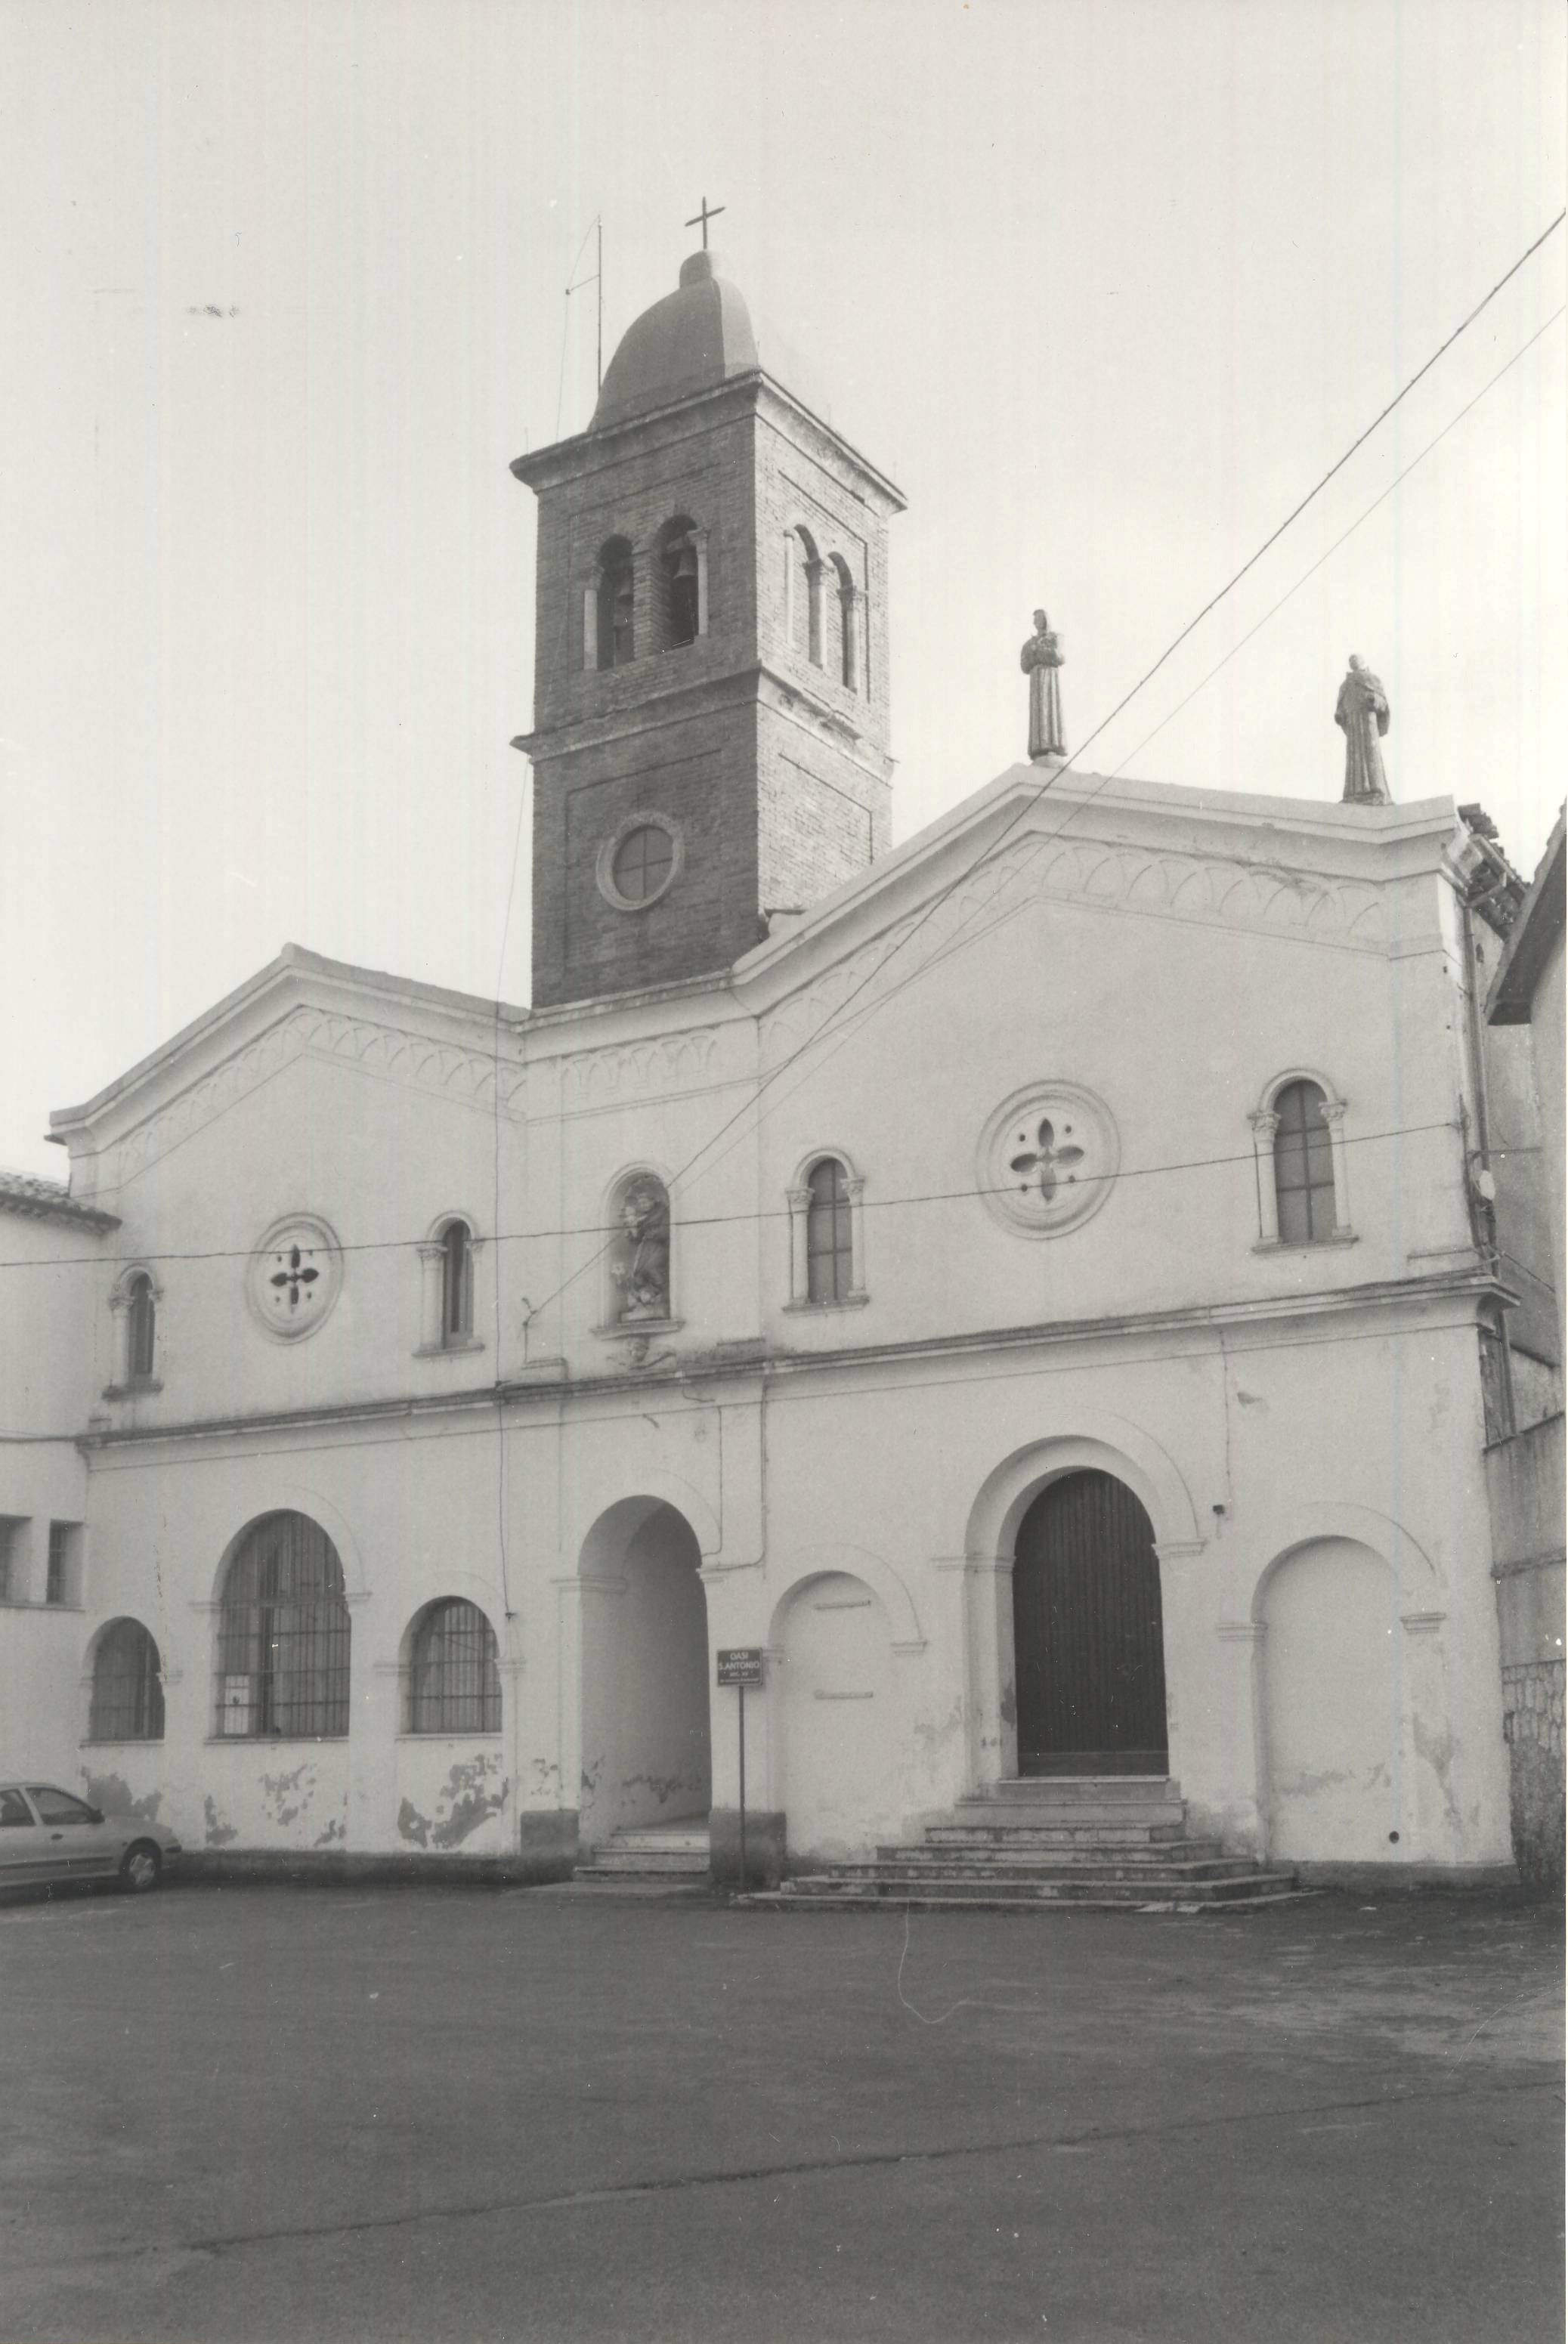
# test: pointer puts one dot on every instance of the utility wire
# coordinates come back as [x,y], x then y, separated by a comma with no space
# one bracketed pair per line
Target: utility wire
[726,1221]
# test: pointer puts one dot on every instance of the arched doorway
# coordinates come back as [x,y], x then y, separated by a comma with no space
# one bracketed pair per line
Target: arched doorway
[645,1748]
[1087,1632]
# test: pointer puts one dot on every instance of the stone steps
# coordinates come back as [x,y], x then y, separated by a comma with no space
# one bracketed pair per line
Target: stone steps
[650,1851]
[1264,1890]
[1086,1842]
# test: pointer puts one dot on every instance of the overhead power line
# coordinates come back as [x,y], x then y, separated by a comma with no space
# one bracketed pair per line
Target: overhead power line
[729,1220]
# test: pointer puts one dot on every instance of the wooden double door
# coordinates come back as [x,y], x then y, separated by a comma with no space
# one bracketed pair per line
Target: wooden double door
[1087,1632]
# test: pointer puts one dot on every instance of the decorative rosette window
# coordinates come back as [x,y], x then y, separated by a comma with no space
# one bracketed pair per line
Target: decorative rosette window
[296,1276]
[1048,1158]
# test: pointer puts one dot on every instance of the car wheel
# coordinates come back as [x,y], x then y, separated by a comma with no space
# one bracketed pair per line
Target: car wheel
[140,1867]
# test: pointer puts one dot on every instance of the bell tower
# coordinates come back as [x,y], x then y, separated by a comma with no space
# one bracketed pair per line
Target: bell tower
[710,702]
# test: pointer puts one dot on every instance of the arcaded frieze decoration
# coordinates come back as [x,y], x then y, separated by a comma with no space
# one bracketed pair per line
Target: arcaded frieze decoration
[442,1068]
[1041,661]
[1260,898]
[591,1076]
[296,1274]
[1048,1158]
[640,1252]
[1361,713]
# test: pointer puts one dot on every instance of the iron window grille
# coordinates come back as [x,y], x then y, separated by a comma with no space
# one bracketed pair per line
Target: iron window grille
[454,1682]
[283,1634]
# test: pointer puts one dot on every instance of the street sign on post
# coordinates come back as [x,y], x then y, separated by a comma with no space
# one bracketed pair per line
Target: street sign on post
[742,1665]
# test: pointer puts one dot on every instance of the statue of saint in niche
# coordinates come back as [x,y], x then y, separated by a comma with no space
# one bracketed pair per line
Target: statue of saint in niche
[1361,713]
[1041,659]
[640,1255]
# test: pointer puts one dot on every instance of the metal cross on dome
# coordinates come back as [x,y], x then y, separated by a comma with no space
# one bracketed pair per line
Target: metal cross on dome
[1041,1163]
[704,215]
[294,1277]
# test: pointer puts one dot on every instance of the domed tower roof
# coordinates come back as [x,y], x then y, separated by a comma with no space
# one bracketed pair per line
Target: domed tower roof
[692,340]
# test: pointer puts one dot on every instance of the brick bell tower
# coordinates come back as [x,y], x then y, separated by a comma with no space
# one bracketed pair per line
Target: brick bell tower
[711,723]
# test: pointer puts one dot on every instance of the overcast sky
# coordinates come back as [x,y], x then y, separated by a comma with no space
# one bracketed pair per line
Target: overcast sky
[1105,286]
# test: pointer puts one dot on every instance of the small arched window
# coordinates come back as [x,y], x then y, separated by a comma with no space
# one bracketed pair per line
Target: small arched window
[283,1634]
[846,664]
[613,605]
[802,595]
[142,1327]
[829,1250]
[127,1686]
[1303,1167]
[683,584]
[454,1682]
[457,1282]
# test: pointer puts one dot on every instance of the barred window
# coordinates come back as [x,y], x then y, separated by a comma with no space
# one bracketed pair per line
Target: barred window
[127,1686]
[1303,1166]
[283,1634]
[454,1683]
[829,1261]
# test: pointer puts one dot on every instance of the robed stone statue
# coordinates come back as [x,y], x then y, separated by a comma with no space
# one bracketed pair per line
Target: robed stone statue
[1361,713]
[1041,659]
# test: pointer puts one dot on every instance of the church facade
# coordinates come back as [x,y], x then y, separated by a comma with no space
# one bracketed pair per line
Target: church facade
[1033,1285]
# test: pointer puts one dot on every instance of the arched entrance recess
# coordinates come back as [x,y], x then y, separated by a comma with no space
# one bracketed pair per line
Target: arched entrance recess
[645,1746]
[1088,1631]
[1332,1701]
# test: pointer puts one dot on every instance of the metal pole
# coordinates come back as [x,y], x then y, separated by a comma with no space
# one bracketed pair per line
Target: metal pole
[741,1692]
[599,282]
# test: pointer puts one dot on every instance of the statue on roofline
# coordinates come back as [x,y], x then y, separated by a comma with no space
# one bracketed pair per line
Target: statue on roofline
[1361,713]
[1041,659]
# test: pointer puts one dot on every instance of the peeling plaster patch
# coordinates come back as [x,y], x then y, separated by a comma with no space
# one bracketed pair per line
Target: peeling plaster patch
[663,1786]
[277,1787]
[334,1831]
[218,1834]
[412,1826]
[545,1772]
[1009,1703]
[473,1801]
[113,1793]
[1435,1744]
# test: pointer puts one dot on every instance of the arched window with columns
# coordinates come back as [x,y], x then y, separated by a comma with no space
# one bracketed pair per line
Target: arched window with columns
[447,1285]
[1299,1144]
[134,1305]
[827,1234]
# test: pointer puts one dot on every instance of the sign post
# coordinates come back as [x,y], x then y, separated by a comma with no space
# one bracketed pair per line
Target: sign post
[741,1666]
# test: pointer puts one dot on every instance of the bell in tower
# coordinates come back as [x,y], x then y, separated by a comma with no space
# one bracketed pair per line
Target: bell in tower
[711,715]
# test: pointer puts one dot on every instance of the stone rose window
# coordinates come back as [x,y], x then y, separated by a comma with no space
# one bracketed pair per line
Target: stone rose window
[1048,1158]
[295,1276]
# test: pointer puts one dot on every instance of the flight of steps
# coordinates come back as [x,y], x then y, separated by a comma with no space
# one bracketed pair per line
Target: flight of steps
[1087,1840]
[651,1851]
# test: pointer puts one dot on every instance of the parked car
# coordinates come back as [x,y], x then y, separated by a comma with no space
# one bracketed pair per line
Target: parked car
[48,1834]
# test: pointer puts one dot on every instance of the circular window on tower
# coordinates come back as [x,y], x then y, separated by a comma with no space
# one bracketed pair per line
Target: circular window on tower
[640,862]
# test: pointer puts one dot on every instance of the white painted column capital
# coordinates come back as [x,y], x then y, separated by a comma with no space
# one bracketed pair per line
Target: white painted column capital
[1264,1126]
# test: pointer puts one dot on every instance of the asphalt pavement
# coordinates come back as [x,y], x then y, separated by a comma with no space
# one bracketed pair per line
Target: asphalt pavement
[440,2113]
